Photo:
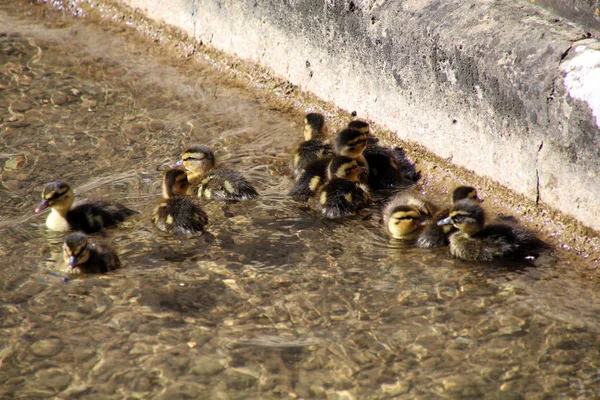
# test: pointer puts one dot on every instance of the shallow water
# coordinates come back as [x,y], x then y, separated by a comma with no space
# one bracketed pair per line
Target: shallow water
[273,302]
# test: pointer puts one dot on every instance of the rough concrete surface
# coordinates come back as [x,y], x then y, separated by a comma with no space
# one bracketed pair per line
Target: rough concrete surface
[500,87]
[584,12]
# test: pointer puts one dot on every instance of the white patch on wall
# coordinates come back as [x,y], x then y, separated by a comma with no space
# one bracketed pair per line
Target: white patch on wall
[582,78]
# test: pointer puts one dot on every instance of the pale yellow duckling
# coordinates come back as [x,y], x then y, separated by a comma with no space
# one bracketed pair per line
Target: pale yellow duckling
[404,215]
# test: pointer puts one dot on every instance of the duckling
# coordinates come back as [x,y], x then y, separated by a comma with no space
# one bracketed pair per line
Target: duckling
[434,235]
[214,183]
[389,168]
[87,215]
[84,257]
[477,241]
[404,214]
[351,143]
[343,194]
[310,179]
[314,147]
[177,213]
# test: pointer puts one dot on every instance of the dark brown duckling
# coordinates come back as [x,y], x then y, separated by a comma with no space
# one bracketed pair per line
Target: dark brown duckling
[85,257]
[477,241]
[310,179]
[343,195]
[434,235]
[88,215]
[214,183]
[177,213]
[389,167]
[314,146]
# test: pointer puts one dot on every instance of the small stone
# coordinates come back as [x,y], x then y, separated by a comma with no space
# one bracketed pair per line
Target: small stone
[55,379]
[156,125]
[207,367]
[47,347]
[59,98]
[19,107]
[396,389]
[236,379]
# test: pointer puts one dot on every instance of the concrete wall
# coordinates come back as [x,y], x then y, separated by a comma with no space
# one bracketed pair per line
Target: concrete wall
[584,12]
[500,87]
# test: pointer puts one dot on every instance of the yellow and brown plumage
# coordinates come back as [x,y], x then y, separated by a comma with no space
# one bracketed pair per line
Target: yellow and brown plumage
[89,215]
[83,256]
[178,213]
[435,235]
[389,167]
[314,145]
[474,240]
[343,194]
[214,183]
[405,214]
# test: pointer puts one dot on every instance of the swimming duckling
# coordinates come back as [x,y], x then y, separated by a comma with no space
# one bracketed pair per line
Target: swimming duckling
[404,214]
[87,215]
[389,168]
[310,179]
[177,213]
[476,241]
[434,235]
[84,257]
[351,143]
[214,183]
[314,147]
[343,194]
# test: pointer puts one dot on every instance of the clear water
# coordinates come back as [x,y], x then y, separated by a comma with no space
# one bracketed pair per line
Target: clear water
[273,302]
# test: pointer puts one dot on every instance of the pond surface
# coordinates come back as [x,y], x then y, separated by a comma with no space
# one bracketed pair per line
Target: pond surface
[273,302]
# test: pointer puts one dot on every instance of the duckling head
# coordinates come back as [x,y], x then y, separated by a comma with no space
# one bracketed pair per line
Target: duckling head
[464,192]
[346,168]
[402,221]
[363,127]
[467,216]
[76,249]
[351,143]
[198,159]
[314,126]
[57,195]
[175,183]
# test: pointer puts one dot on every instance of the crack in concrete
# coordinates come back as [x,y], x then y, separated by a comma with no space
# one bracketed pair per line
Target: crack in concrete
[537,174]
[194,19]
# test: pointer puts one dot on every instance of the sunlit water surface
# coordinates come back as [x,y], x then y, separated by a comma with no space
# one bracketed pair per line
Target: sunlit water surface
[273,302]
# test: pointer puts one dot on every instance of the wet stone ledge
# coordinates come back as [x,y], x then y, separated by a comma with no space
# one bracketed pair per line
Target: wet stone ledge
[502,88]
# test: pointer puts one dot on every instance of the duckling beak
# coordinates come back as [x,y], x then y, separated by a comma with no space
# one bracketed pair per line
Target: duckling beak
[43,205]
[178,164]
[445,221]
[372,140]
[72,262]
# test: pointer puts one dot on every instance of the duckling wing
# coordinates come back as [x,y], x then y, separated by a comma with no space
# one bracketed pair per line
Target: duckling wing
[92,216]
[180,215]
[340,198]
[102,259]
[309,151]
[384,171]
[310,179]
[434,235]
[226,184]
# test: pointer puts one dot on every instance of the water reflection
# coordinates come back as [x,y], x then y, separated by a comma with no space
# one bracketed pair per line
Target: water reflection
[273,301]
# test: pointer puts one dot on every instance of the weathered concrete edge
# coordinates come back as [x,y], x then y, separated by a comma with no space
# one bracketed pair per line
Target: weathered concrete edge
[500,88]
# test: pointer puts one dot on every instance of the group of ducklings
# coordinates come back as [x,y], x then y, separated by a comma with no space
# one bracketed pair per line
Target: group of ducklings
[179,212]
[344,178]
[339,180]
